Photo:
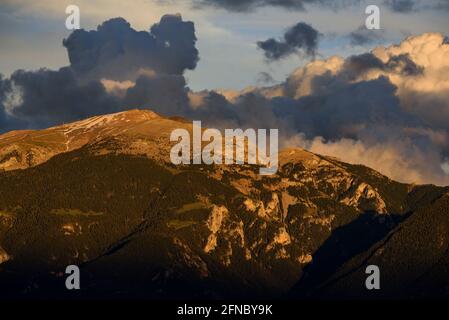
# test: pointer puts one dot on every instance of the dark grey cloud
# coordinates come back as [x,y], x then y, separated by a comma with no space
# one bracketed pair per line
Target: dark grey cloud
[301,38]
[346,112]
[404,64]
[358,65]
[52,97]
[339,111]
[354,68]
[216,111]
[402,6]
[163,93]
[275,49]
[443,5]
[408,6]
[265,78]
[117,51]
[169,96]
[363,36]
[249,5]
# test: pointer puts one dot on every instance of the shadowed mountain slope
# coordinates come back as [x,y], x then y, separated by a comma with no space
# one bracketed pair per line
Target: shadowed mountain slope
[101,193]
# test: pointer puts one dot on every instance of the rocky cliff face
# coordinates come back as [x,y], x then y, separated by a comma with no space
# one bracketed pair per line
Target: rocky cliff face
[102,194]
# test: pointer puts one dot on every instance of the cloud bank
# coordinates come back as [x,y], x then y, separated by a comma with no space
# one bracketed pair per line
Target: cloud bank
[386,108]
[104,64]
[400,6]
[249,5]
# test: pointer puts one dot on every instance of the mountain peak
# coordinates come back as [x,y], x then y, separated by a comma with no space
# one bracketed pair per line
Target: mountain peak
[26,148]
[129,116]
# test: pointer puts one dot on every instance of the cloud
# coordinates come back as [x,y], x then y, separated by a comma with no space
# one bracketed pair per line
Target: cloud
[112,68]
[399,6]
[250,5]
[4,87]
[363,36]
[51,97]
[402,6]
[408,6]
[300,38]
[117,88]
[357,65]
[443,5]
[116,51]
[265,78]
[394,158]
[163,93]
[387,108]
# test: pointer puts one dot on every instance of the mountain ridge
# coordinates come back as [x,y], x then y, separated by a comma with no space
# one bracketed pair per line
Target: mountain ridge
[112,203]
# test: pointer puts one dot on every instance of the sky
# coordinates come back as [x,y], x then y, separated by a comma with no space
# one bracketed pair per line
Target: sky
[31,33]
[307,67]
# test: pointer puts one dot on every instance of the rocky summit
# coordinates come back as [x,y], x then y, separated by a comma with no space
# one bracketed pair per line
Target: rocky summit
[101,193]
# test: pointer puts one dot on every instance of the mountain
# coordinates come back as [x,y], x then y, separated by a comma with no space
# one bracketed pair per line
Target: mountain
[26,148]
[101,193]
